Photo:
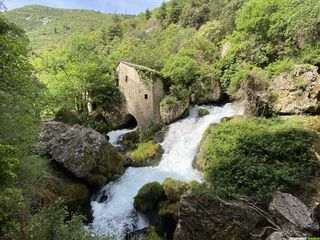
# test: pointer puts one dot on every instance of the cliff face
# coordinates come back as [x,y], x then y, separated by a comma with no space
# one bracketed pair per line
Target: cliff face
[297,92]
[290,93]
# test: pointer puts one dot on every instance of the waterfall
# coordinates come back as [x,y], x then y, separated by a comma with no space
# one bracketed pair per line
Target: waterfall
[116,216]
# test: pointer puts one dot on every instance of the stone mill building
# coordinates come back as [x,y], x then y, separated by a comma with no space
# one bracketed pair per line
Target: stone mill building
[142,89]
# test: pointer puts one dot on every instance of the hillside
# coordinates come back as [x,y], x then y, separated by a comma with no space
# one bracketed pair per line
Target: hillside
[242,77]
[46,25]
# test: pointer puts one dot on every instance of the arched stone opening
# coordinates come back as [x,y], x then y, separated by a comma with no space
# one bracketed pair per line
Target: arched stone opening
[130,121]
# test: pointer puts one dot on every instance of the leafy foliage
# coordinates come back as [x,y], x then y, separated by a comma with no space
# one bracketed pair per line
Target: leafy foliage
[258,157]
[76,74]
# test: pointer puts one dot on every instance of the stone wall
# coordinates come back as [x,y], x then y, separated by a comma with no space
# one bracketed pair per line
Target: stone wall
[142,96]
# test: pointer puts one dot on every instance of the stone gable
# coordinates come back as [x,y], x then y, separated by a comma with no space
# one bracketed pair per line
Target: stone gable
[142,90]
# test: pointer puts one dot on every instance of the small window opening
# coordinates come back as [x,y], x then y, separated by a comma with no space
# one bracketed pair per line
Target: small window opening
[146,96]
[126,78]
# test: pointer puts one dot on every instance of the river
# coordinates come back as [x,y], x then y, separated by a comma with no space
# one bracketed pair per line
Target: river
[116,215]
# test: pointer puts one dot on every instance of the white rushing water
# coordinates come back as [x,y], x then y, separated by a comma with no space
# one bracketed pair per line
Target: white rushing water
[116,216]
[116,136]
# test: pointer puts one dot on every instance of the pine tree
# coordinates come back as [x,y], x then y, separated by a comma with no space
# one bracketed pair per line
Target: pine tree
[162,14]
[115,29]
[148,14]
[174,11]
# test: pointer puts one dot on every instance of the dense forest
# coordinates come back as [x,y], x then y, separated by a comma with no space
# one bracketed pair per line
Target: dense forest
[60,64]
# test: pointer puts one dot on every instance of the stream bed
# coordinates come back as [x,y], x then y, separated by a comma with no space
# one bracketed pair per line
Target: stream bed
[115,215]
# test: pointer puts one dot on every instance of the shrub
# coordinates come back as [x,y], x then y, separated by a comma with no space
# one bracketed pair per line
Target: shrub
[8,162]
[181,69]
[14,213]
[258,157]
[55,222]
[247,75]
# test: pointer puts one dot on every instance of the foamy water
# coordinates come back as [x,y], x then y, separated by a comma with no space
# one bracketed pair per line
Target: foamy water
[116,216]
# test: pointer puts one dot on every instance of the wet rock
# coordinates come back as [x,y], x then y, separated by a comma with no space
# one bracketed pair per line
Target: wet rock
[203,112]
[292,215]
[277,236]
[104,197]
[128,162]
[207,217]
[75,194]
[82,151]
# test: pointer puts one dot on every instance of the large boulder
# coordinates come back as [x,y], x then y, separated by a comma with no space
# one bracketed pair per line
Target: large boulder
[292,215]
[148,198]
[209,91]
[207,217]
[76,194]
[297,92]
[82,151]
[175,112]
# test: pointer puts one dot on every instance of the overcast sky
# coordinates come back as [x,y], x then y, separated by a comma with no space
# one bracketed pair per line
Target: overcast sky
[113,6]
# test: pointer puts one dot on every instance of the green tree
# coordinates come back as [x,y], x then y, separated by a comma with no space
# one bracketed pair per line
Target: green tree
[76,74]
[20,91]
[20,99]
[211,30]
[162,13]
[181,69]
[195,13]
[115,29]
[148,14]
[174,11]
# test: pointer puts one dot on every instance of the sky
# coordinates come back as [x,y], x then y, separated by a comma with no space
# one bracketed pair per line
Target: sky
[112,6]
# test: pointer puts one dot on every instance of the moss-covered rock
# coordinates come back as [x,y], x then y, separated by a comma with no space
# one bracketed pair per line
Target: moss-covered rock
[203,112]
[151,234]
[148,197]
[61,184]
[207,91]
[96,180]
[146,154]
[130,139]
[203,216]
[168,208]
[174,189]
